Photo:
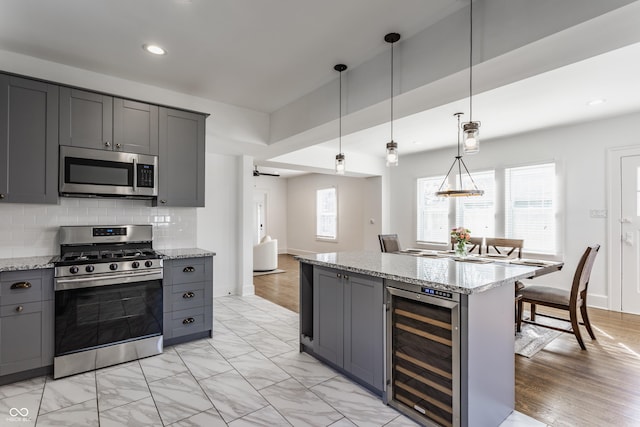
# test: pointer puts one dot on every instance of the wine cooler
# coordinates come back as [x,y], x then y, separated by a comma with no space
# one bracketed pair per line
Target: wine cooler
[423,354]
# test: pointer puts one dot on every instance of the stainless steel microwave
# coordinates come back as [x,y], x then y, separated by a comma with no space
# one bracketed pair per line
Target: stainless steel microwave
[88,172]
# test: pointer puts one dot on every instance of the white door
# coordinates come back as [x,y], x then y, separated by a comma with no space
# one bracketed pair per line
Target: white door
[259,215]
[630,239]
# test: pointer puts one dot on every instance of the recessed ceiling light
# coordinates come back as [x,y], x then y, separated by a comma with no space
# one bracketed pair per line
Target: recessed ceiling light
[154,49]
[596,101]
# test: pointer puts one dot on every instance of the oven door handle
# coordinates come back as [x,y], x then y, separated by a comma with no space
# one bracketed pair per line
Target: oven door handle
[63,284]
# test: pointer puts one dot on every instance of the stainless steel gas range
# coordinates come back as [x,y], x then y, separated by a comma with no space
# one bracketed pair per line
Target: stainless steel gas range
[108,297]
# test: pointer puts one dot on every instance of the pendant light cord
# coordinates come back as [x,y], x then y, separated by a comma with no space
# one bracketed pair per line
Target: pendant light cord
[470,60]
[340,119]
[391,92]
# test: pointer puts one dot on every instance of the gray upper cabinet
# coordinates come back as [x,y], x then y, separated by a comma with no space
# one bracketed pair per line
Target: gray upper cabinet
[86,119]
[28,141]
[94,120]
[181,160]
[135,127]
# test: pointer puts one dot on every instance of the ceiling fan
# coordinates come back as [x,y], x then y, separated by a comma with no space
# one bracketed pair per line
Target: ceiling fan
[256,172]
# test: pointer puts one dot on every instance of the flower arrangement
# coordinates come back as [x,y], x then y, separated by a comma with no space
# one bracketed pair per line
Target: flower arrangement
[462,236]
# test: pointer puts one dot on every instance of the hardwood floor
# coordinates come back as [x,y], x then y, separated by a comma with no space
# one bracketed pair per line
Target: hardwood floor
[281,288]
[562,385]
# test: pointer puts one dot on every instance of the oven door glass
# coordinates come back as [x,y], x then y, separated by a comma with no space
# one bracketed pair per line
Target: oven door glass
[88,318]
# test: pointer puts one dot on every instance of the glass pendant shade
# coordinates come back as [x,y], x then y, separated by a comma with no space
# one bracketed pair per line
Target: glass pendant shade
[392,154]
[471,140]
[340,164]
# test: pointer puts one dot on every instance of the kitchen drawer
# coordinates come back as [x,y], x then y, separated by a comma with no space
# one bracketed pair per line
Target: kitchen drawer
[187,295]
[17,289]
[185,322]
[188,271]
[20,309]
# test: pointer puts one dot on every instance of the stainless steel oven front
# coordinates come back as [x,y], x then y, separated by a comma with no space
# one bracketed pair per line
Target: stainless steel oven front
[423,353]
[107,318]
[89,172]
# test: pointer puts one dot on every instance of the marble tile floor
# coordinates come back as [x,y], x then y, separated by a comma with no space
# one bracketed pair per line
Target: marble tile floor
[249,374]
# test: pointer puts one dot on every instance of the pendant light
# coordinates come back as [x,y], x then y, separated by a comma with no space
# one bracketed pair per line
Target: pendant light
[340,156]
[471,130]
[392,146]
[461,192]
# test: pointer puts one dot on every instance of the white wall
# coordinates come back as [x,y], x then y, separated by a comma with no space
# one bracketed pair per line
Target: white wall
[276,215]
[580,153]
[353,198]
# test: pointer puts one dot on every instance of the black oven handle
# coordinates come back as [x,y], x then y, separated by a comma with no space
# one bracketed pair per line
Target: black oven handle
[63,284]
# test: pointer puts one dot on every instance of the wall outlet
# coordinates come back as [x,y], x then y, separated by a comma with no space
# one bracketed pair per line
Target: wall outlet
[598,213]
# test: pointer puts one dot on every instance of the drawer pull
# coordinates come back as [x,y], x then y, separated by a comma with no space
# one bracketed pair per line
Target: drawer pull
[188,320]
[188,270]
[19,309]
[21,285]
[188,295]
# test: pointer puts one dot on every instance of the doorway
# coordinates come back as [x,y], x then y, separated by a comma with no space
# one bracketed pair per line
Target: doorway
[624,229]
[630,233]
[259,215]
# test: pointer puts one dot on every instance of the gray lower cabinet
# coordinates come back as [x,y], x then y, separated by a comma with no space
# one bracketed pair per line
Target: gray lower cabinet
[188,298]
[348,320]
[26,320]
[181,160]
[28,140]
[102,122]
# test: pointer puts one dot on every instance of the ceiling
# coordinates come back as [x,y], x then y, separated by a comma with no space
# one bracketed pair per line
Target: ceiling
[256,54]
[264,54]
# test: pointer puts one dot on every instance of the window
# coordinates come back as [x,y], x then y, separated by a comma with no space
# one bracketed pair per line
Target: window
[327,214]
[527,209]
[478,213]
[530,207]
[433,212]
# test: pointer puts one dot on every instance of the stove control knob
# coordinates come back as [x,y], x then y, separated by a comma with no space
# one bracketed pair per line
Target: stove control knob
[74,269]
[135,264]
[89,268]
[113,266]
[148,263]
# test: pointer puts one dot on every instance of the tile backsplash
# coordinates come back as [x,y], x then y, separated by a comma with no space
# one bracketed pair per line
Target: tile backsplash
[32,230]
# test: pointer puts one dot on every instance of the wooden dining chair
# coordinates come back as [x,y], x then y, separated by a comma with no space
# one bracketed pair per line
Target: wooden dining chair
[571,300]
[389,242]
[475,243]
[504,246]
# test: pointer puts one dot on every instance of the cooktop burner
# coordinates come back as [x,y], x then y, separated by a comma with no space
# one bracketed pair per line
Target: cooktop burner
[107,255]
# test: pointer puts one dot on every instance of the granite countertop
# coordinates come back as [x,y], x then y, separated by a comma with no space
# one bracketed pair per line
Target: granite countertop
[184,253]
[439,273]
[26,263]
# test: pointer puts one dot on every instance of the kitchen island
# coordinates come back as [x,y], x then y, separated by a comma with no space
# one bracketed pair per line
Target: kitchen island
[433,336]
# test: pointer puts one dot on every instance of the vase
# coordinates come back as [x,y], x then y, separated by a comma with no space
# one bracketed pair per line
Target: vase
[461,249]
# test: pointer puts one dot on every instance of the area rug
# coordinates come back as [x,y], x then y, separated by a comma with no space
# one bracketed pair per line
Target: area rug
[262,273]
[534,338]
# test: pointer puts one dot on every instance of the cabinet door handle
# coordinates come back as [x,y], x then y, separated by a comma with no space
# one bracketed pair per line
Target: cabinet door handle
[188,320]
[2,196]
[19,309]
[339,275]
[118,145]
[107,144]
[21,285]
[163,201]
[346,277]
[188,269]
[187,295]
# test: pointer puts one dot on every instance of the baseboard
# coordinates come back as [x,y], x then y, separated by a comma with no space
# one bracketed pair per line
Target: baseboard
[300,252]
[248,290]
[598,301]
